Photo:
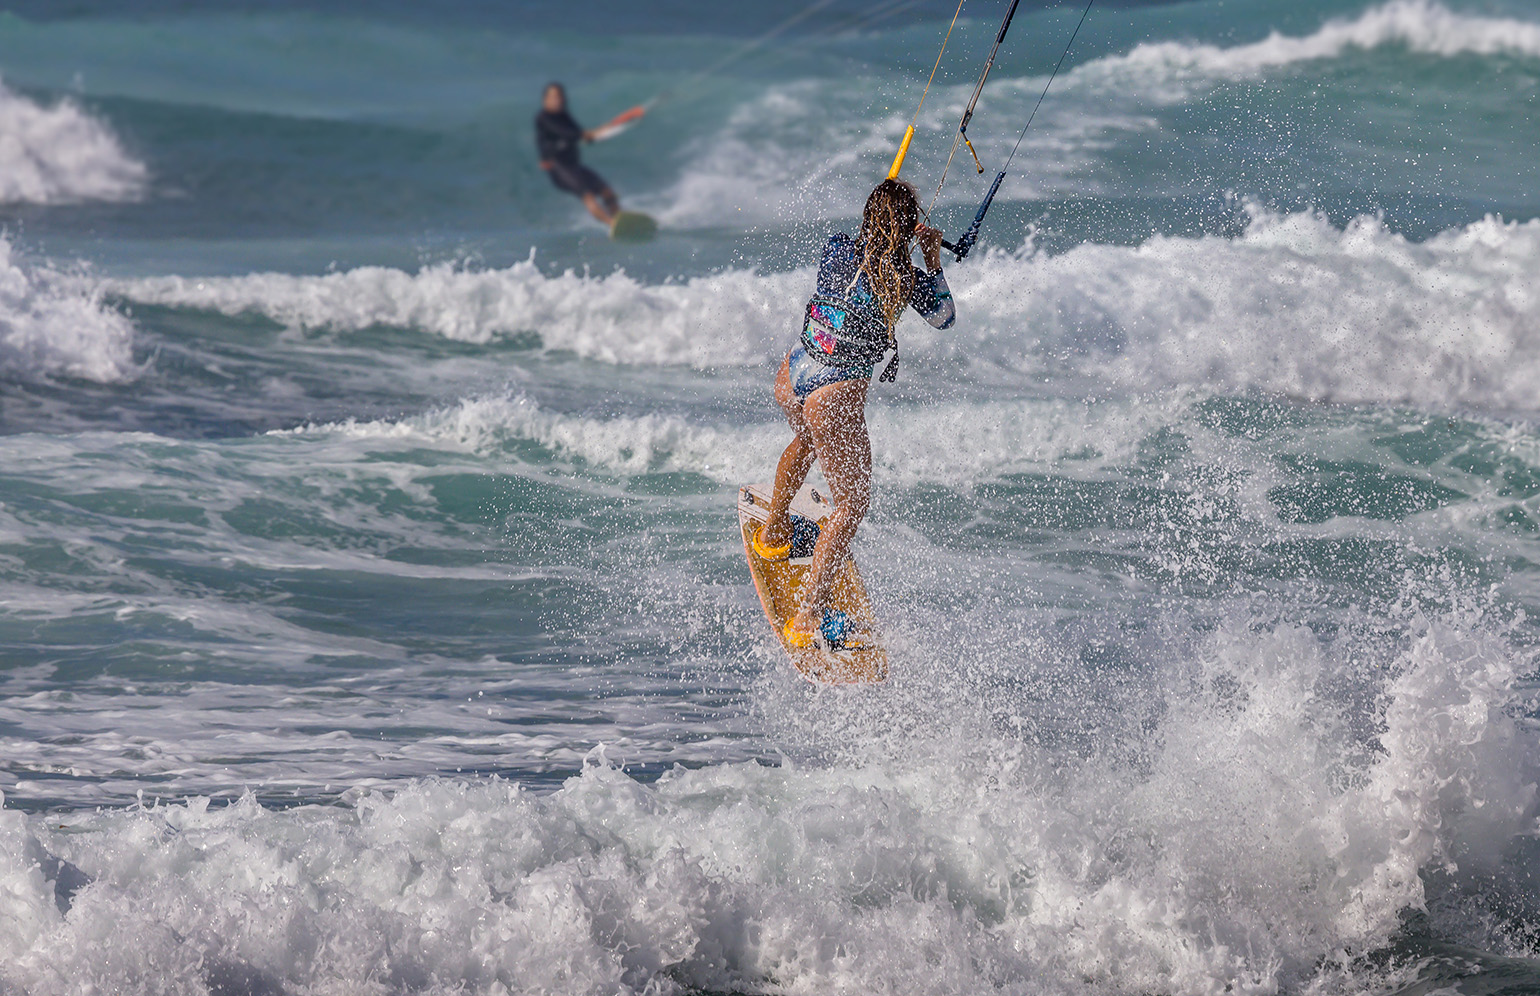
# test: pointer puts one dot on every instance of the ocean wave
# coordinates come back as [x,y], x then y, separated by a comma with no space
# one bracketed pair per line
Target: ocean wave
[1423,26]
[1259,842]
[911,445]
[61,154]
[724,319]
[1294,306]
[54,323]
[805,150]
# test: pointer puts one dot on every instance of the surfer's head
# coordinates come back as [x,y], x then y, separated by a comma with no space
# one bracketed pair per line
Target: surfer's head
[554,97]
[887,232]
[891,207]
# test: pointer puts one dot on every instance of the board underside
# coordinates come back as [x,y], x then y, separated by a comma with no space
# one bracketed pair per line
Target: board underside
[633,226]
[779,584]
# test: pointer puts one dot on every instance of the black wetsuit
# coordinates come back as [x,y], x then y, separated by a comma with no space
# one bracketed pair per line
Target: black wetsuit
[557,137]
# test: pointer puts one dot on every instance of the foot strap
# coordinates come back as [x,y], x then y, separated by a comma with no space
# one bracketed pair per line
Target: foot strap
[770,552]
[836,631]
[804,536]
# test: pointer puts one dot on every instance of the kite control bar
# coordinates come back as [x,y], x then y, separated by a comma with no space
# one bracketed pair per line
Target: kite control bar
[619,123]
[964,245]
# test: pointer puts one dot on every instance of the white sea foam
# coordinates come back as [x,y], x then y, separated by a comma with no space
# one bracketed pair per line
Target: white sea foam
[1255,839]
[911,444]
[62,154]
[1293,306]
[56,324]
[1423,26]
[704,321]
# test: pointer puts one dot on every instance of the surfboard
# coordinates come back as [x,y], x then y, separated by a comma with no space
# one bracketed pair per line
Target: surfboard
[780,582]
[633,226]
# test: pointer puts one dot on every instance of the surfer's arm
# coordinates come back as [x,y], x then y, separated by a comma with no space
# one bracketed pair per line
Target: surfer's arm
[931,297]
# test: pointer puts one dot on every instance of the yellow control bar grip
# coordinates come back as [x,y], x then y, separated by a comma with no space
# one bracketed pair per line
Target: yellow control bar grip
[903,150]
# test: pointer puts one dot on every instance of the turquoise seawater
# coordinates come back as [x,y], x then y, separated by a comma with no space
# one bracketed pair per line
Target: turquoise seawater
[372,613]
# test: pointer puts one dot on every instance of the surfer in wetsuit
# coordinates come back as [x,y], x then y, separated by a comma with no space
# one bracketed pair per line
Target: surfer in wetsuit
[557,137]
[864,285]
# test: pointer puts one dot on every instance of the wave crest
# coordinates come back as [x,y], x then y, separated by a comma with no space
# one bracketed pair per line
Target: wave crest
[61,154]
[1421,25]
[723,319]
[1294,306]
[56,324]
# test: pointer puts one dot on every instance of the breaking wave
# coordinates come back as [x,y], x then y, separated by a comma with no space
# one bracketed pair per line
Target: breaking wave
[56,324]
[717,320]
[1420,25]
[1294,306]
[1250,840]
[61,154]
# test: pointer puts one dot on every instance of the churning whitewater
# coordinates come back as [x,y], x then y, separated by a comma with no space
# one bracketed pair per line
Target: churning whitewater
[373,613]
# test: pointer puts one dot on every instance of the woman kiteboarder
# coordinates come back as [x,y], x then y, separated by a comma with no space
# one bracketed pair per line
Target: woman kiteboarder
[864,285]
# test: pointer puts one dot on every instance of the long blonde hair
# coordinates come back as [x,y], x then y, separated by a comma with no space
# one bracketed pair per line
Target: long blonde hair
[887,231]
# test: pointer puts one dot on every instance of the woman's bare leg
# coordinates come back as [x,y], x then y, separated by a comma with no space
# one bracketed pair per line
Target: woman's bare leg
[835,416]
[796,461]
[601,211]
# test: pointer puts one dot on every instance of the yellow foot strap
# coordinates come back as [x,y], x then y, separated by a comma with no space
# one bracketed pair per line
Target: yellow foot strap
[798,639]
[770,552]
[837,631]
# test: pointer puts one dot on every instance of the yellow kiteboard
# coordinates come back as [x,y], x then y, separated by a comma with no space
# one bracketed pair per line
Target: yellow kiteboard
[633,226]
[779,582]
